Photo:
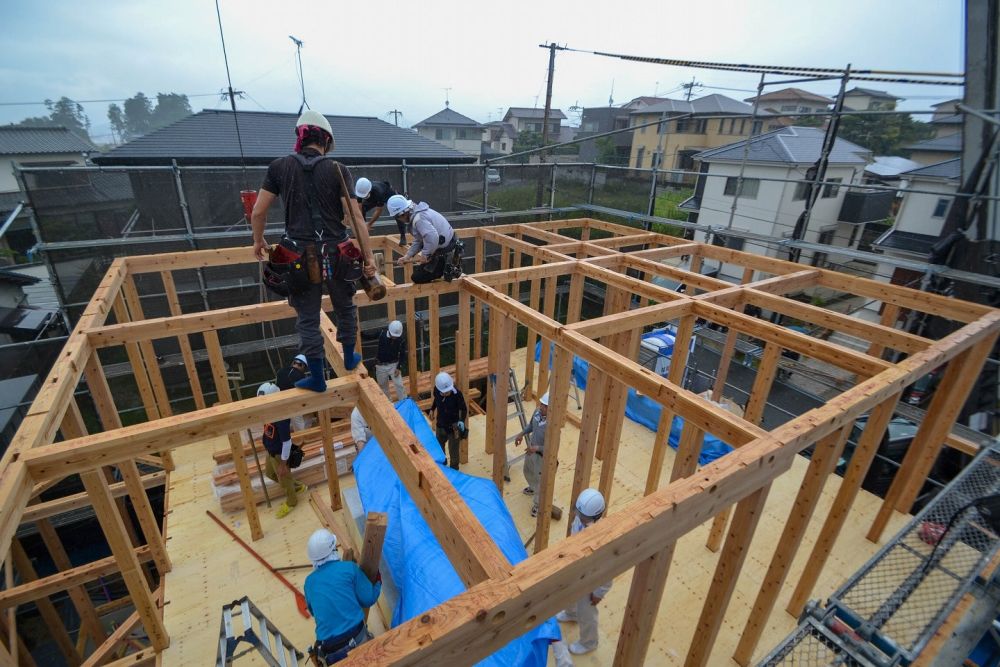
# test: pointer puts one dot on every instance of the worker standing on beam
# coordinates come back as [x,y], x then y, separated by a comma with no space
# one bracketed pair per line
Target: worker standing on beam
[436,250]
[337,594]
[286,379]
[450,413]
[373,196]
[277,438]
[535,432]
[315,234]
[590,507]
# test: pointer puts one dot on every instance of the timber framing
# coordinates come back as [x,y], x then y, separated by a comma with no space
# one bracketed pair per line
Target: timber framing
[544,272]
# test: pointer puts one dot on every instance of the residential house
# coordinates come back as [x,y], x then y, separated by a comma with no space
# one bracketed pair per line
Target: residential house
[921,216]
[454,130]
[887,169]
[531,120]
[935,150]
[498,138]
[946,119]
[598,120]
[772,207]
[791,100]
[641,102]
[691,127]
[31,147]
[866,99]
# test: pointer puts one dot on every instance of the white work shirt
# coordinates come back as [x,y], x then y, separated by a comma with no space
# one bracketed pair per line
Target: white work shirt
[359,428]
[429,228]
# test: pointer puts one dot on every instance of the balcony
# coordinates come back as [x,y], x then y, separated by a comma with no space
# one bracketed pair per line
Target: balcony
[861,206]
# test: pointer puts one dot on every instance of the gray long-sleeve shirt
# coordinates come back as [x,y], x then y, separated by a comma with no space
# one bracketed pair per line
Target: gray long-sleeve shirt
[430,231]
[535,430]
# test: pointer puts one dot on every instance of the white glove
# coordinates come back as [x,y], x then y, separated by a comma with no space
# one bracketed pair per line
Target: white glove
[286,450]
[461,426]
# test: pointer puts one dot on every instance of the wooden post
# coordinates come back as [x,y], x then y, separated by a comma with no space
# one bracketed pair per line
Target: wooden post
[545,358]
[189,364]
[890,313]
[726,359]
[477,310]
[148,352]
[330,461]
[587,443]
[462,361]
[754,412]
[411,346]
[949,397]
[613,419]
[90,623]
[376,524]
[501,340]
[235,442]
[138,366]
[434,317]
[823,462]
[106,410]
[558,398]
[615,300]
[575,304]
[727,571]
[678,364]
[864,454]
[534,301]
[114,531]
[54,623]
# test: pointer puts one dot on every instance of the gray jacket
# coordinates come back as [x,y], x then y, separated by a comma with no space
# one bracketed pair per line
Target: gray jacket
[430,231]
[535,430]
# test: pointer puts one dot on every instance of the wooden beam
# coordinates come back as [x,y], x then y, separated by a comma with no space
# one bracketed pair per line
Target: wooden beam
[138,364]
[376,524]
[148,352]
[185,343]
[90,623]
[502,328]
[471,550]
[611,424]
[949,397]
[477,312]
[121,549]
[890,314]
[632,319]
[616,300]
[330,461]
[544,359]
[50,508]
[434,319]
[534,301]
[53,622]
[111,644]
[822,463]
[586,446]
[462,362]
[411,346]
[558,398]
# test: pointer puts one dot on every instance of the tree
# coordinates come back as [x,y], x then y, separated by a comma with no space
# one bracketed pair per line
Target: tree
[138,116]
[170,107]
[64,112]
[117,118]
[607,153]
[883,135]
[526,141]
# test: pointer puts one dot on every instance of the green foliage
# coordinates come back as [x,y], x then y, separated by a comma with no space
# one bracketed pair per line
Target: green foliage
[63,112]
[140,117]
[607,153]
[526,141]
[884,135]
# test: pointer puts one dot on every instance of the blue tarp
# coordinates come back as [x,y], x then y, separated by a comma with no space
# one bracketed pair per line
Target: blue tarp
[646,411]
[420,569]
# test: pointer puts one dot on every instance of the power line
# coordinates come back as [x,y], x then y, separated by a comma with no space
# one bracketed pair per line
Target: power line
[232,97]
[111,99]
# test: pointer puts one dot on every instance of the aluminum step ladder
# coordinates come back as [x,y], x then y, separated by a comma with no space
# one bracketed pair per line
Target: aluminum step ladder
[258,632]
[513,392]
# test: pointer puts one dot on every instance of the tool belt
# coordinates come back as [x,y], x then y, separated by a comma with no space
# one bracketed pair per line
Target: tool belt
[334,649]
[294,266]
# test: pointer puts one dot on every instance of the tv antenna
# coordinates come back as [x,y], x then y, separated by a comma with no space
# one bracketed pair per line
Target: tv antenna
[298,61]
[446,91]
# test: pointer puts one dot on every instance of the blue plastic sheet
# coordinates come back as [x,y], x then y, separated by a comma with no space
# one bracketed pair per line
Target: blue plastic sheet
[646,411]
[420,569]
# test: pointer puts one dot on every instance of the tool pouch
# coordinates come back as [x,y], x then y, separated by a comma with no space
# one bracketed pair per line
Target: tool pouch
[347,264]
[312,260]
[295,458]
[285,271]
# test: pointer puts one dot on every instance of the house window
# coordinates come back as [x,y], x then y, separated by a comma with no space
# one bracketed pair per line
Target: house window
[439,133]
[941,207]
[700,126]
[748,191]
[621,123]
[638,157]
[826,237]
[685,160]
[788,107]
[801,190]
[503,145]
[590,126]
[756,127]
[832,188]
[731,242]
[804,109]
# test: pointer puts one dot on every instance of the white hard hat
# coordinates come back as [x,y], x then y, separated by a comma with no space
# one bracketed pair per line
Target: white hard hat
[395,328]
[544,400]
[444,383]
[362,187]
[398,204]
[322,543]
[267,388]
[590,503]
[301,358]
[315,119]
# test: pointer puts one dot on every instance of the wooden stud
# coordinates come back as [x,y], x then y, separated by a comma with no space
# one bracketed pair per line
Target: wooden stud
[477,311]
[434,318]
[185,343]
[224,395]
[889,317]
[462,362]
[534,301]
[501,340]
[612,412]
[138,364]
[90,623]
[148,352]
[611,424]
[587,444]
[558,399]
[544,359]
[411,346]
[575,303]
[376,524]
[53,622]
[330,461]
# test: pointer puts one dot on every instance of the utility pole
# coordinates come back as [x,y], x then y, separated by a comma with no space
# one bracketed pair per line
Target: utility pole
[395,113]
[548,112]
[690,88]
[302,81]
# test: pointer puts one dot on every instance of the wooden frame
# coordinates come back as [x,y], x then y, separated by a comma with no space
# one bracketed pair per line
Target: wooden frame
[503,600]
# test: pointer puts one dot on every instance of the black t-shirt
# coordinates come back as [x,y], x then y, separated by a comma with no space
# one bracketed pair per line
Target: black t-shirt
[450,409]
[287,178]
[379,196]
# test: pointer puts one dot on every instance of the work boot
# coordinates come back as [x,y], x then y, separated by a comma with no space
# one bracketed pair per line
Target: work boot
[576,648]
[283,510]
[351,358]
[314,380]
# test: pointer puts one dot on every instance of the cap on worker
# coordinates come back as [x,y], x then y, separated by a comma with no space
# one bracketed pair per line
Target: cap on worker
[322,544]
[444,383]
[362,188]
[395,328]
[590,503]
[267,388]
[398,204]
[544,400]
[316,119]
[301,358]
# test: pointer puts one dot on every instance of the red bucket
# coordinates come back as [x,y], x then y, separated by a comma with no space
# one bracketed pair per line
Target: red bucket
[249,198]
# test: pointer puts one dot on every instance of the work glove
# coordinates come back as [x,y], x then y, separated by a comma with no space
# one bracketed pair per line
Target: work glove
[461,427]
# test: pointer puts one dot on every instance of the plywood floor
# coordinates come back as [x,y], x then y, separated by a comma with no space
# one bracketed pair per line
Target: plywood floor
[211,570]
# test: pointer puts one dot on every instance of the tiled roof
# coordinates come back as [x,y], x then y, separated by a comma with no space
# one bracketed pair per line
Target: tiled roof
[891,165]
[526,112]
[792,94]
[209,137]
[951,143]
[949,169]
[448,116]
[666,106]
[881,94]
[709,104]
[788,145]
[15,278]
[954,119]
[895,239]
[19,140]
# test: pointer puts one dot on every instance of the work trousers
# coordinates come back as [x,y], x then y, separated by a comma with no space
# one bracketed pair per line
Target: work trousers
[585,614]
[288,483]
[386,372]
[450,434]
[433,268]
[533,475]
[307,308]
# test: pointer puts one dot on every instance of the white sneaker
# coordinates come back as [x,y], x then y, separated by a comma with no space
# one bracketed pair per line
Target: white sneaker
[576,648]
[563,617]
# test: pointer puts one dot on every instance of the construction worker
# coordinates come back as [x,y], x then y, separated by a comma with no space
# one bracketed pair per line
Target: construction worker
[436,250]
[337,594]
[390,359]
[314,230]
[589,508]
[277,439]
[360,432]
[286,379]
[373,195]
[449,412]
[535,431]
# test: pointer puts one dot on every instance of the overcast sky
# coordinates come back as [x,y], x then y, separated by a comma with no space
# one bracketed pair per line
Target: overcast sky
[369,58]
